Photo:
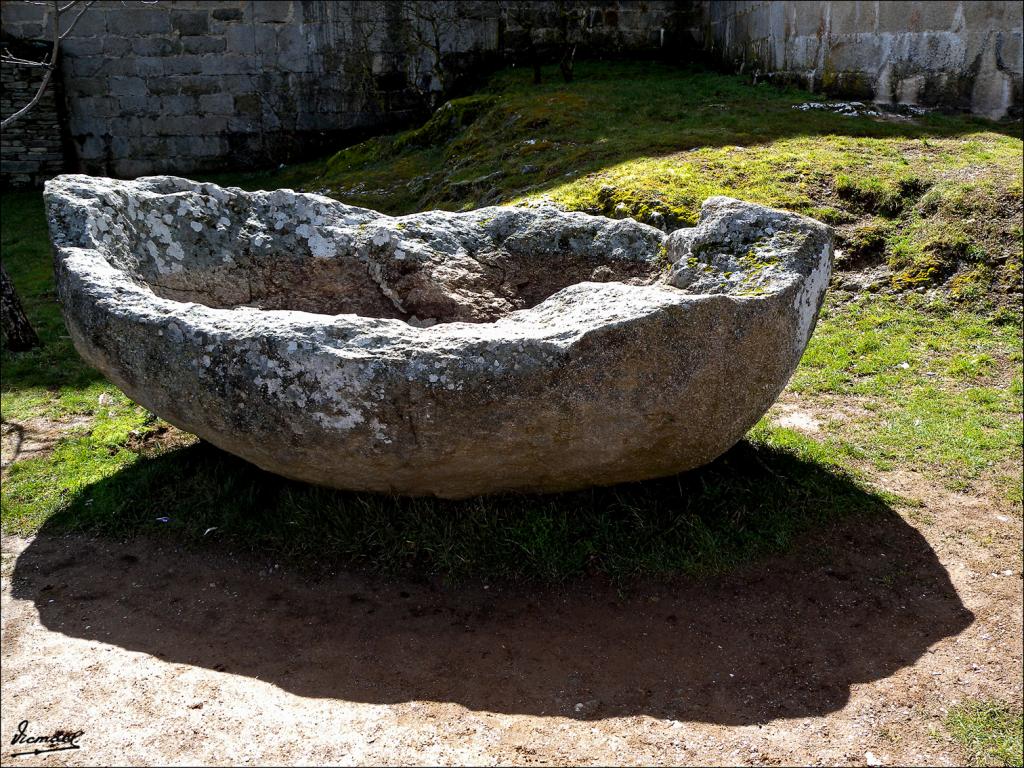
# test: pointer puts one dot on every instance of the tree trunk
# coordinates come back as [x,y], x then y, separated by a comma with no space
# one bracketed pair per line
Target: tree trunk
[534,57]
[16,328]
[568,16]
[566,64]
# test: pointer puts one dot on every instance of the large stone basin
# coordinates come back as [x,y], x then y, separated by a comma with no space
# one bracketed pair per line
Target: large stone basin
[454,354]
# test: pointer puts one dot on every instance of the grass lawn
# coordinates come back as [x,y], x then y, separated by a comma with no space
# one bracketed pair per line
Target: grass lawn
[988,731]
[930,382]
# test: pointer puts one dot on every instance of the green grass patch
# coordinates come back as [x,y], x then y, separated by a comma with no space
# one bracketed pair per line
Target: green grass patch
[34,489]
[887,196]
[989,731]
[937,388]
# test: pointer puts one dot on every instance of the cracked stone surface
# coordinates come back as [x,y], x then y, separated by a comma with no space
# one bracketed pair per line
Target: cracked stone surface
[440,353]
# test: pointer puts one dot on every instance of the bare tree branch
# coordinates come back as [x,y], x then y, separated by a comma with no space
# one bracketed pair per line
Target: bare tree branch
[51,64]
[75,20]
[7,58]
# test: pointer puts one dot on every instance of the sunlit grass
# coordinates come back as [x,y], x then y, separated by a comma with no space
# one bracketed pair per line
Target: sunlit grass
[989,731]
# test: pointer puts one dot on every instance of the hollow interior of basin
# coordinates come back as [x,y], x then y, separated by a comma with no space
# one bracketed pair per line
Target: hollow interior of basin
[424,269]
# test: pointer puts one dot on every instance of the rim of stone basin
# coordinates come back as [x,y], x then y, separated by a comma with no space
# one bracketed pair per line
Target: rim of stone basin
[768,264]
[499,349]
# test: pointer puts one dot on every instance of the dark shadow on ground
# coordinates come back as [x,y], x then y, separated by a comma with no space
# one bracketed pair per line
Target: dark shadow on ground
[784,636]
[756,499]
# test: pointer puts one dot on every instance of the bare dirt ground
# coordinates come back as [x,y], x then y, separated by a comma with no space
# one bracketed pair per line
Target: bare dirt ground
[847,651]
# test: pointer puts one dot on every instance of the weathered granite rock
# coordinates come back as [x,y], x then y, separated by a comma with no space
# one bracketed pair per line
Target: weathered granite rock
[438,353]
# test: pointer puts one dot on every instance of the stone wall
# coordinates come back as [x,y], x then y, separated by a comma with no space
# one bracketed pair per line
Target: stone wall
[958,55]
[179,85]
[33,148]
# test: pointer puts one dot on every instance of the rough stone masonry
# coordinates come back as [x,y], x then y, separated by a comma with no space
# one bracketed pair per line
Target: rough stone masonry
[177,85]
[453,354]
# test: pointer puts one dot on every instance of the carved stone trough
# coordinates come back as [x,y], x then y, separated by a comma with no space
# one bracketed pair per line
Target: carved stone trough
[507,348]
